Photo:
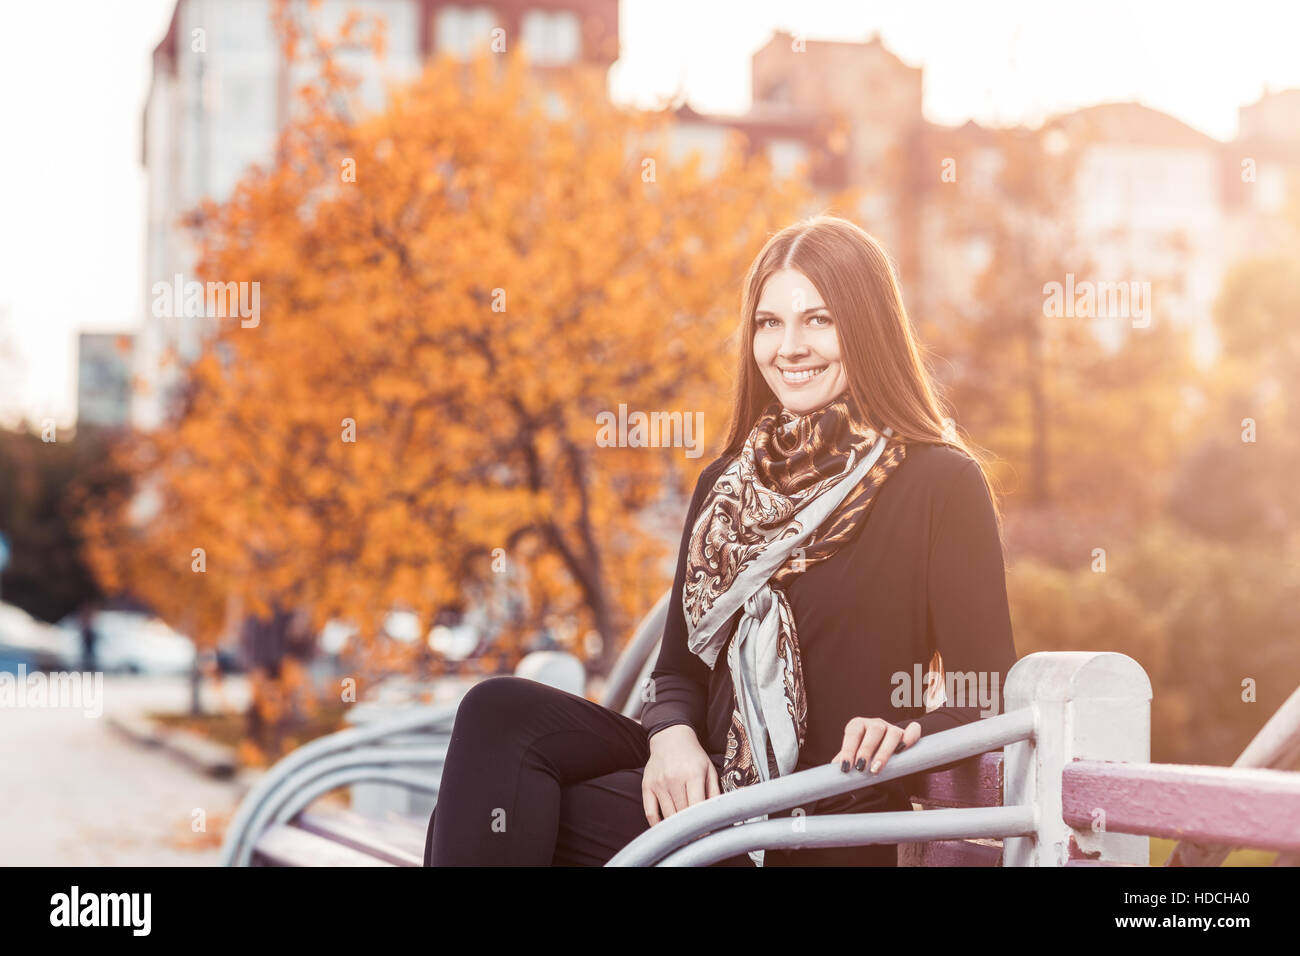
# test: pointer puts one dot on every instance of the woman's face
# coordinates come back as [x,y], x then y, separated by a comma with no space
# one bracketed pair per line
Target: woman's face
[795,343]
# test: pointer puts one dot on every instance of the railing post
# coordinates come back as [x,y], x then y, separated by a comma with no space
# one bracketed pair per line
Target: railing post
[1088,705]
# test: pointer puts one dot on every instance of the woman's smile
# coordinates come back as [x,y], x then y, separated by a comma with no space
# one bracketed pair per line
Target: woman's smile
[797,377]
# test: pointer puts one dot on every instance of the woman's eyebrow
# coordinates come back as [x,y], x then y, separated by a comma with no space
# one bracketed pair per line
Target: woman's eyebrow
[815,308]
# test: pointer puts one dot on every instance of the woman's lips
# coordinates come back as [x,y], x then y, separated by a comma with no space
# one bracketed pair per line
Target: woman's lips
[801,378]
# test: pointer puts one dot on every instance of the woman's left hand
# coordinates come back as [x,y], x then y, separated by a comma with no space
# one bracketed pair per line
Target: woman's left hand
[872,741]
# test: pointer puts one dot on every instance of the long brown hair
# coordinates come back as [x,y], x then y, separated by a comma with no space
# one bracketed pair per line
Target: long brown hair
[882,358]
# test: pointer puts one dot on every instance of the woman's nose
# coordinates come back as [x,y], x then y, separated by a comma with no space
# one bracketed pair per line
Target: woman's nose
[792,343]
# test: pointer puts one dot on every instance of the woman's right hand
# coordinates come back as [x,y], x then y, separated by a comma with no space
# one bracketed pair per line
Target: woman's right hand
[678,774]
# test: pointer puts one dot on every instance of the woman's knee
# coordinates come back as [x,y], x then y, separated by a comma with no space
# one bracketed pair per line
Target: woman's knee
[497,701]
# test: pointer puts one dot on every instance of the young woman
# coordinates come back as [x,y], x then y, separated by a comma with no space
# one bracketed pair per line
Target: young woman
[844,544]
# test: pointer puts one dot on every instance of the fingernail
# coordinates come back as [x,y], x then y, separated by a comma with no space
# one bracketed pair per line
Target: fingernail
[844,767]
[875,766]
[862,762]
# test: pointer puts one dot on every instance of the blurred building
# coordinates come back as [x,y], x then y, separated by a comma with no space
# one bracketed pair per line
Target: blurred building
[1259,171]
[1153,199]
[103,378]
[1159,201]
[220,94]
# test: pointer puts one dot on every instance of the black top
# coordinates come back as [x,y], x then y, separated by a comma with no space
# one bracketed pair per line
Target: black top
[924,570]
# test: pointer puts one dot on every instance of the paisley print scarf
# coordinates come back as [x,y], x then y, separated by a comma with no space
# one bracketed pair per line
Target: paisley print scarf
[794,494]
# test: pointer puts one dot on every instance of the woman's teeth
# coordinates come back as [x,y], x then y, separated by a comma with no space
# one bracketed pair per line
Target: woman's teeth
[798,378]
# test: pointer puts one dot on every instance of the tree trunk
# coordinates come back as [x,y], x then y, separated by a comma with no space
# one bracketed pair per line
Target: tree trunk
[1036,379]
[264,643]
[604,622]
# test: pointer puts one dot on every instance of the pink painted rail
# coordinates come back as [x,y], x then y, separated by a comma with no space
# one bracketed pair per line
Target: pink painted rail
[1220,805]
[1087,770]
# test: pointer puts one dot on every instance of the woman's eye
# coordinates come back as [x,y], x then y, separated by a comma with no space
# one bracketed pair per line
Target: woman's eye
[821,317]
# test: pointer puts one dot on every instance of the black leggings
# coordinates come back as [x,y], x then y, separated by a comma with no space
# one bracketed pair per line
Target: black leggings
[536,776]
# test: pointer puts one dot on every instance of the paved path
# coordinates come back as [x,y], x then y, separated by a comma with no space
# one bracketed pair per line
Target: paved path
[74,791]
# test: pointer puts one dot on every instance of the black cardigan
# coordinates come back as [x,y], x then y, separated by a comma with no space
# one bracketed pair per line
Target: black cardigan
[924,570]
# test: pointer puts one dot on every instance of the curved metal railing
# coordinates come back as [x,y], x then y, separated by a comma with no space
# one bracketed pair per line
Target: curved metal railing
[335,753]
[672,836]
[419,738]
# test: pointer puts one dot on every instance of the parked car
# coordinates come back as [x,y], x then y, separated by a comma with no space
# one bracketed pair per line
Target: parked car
[130,642]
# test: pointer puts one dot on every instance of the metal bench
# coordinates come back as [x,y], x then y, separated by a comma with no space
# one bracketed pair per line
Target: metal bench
[273,826]
[1061,779]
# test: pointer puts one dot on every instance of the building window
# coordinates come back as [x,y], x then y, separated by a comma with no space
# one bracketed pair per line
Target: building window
[551,37]
[463,31]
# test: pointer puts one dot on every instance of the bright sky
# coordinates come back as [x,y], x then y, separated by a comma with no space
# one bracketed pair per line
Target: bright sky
[74,74]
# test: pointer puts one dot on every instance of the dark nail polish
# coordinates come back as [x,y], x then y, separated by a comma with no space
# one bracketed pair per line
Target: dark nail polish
[844,767]
[862,762]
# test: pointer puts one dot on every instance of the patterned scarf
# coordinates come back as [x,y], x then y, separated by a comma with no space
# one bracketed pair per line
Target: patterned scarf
[796,491]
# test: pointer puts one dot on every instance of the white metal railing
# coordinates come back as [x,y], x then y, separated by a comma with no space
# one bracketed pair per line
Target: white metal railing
[808,786]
